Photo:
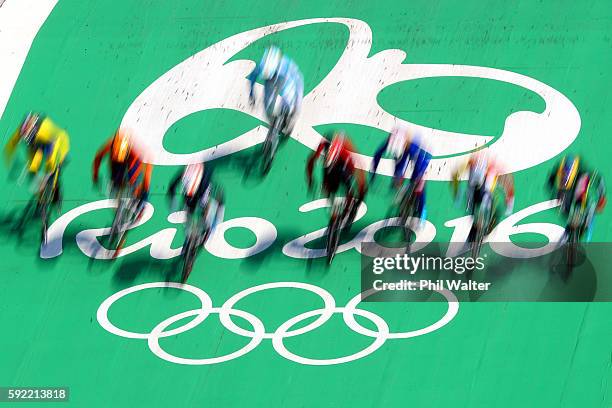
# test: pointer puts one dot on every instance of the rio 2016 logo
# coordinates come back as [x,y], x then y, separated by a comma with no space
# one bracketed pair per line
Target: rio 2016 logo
[207,81]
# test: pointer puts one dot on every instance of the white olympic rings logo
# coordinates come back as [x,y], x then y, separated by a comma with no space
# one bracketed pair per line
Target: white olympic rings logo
[259,333]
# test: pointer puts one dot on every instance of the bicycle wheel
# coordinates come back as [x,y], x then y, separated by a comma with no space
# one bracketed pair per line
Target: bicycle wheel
[117,231]
[44,215]
[188,259]
[477,244]
[333,238]
[481,224]
[572,246]
[406,210]
[44,203]
[269,147]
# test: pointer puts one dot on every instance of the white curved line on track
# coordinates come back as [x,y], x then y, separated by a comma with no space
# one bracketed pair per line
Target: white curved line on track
[20,21]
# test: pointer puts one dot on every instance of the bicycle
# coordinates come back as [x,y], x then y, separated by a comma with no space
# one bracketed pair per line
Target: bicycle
[198,232]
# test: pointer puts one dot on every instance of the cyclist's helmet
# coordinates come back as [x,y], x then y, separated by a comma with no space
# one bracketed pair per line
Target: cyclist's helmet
[121,146]
[192,176]
[567,171]
[270,62]
[335,148]
[30,126]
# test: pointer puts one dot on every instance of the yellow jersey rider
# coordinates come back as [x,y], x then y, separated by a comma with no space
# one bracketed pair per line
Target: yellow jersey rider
[45,141]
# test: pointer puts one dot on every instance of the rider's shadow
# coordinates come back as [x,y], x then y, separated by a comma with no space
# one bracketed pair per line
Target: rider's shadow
[577,284]
[561,267]
[572,283]
[138,266]
[244,162]
[22,226]
[248,162]
[253,263]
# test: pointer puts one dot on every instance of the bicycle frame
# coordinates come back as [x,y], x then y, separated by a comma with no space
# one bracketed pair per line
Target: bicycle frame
[46,192]
[125,216]
[198,228]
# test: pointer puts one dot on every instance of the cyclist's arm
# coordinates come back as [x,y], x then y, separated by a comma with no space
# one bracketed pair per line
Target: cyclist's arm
[35,160]
[174,183]
[220,198]
[507,183]
[253,78]
[601,191]
[146,180]
[553,176]
[64,147]
[11,145]
[356,173]
[403,161]
[207,177]
[98,159]
[312,159]
[136,167]
[359,175]
[457,175]
[60,150]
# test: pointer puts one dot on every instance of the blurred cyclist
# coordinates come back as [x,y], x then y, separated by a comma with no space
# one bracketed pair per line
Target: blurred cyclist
[283,87]
[126,166]
[338,169]
[589,198]
[46,142]
[582,193]
[484,178]
[562,181]
[198,195]
[406,149]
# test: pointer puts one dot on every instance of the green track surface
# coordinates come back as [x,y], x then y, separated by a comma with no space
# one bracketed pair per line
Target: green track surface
[90,60]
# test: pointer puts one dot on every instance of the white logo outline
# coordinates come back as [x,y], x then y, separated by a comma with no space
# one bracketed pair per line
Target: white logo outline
[206,81]
[259,334]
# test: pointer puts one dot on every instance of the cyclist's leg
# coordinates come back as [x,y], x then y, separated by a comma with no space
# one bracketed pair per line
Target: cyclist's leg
[479,201]
[57,191]
[403,189]
[139,196]
[479,192]
[401,165]
[353,200]
[590,221]
[421,208]
[497,212]
[190,206]
[470,194]
[289,116]
[566,198]
[117,178]
[487,206]
[269,94]
[331,184]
